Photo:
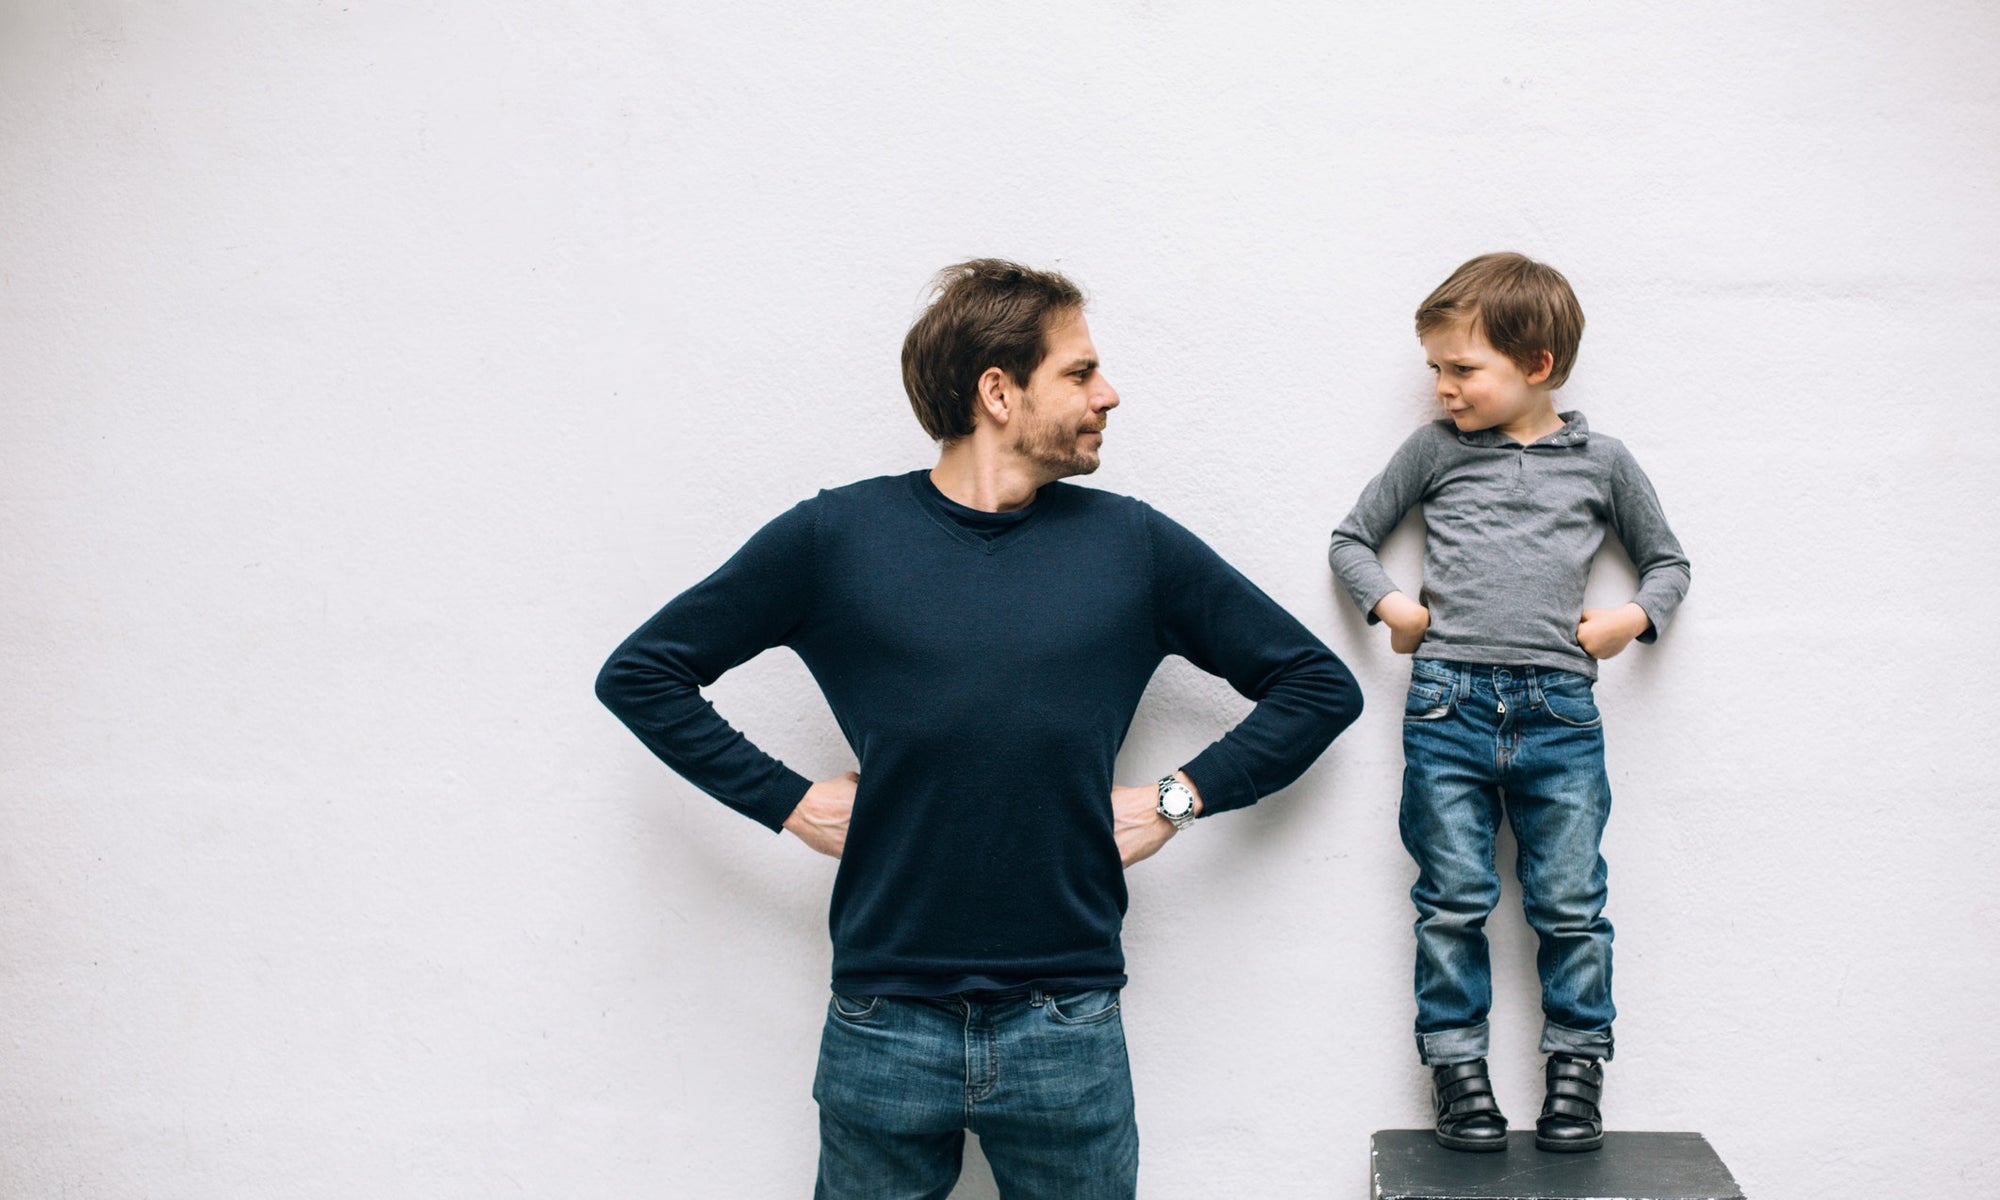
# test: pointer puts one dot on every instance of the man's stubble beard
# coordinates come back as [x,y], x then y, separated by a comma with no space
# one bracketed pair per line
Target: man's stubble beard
[1050,446]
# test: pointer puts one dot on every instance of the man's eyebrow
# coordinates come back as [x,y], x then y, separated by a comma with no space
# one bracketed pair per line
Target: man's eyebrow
[1081,364]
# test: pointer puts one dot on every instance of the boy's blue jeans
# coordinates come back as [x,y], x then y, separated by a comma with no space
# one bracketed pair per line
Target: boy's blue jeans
[1043,1080]
[1479,740]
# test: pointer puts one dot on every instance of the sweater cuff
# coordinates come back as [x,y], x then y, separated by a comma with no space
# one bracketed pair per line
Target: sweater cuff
[1222,783]
[1655,622]
[775,800]
[1367,602]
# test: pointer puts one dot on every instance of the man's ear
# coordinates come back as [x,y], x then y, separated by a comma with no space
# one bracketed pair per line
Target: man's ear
[1545,366]
[996,397]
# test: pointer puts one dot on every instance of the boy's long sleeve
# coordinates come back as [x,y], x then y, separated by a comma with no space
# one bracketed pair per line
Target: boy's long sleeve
[1641,526]
[1510,532]
[1383,503]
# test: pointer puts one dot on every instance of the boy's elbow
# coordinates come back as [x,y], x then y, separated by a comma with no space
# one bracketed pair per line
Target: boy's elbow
[1352,536]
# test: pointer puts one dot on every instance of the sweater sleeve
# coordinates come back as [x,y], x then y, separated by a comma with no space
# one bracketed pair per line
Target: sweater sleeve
[653,681]
[1208,613]
[1399,488]
[1641,526]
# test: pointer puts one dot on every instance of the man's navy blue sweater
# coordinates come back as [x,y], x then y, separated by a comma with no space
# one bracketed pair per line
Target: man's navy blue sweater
[985,668]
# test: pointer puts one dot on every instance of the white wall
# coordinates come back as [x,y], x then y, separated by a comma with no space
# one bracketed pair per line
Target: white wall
[367,371]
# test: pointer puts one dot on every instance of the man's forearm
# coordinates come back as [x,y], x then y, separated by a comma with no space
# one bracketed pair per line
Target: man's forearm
[1291,726]
[653,680]
[672,719]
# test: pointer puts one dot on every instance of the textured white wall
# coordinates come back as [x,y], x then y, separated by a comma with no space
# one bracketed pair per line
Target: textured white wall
[368,371]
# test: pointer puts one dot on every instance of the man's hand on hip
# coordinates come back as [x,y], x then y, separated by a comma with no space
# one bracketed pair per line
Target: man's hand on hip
[820,820]
[1136,821]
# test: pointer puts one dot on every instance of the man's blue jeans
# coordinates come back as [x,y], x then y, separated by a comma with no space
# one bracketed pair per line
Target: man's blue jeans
[1479,740]
[1043,1080]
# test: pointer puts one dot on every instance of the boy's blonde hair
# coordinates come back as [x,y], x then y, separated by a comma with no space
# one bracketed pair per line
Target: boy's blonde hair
[1519,305]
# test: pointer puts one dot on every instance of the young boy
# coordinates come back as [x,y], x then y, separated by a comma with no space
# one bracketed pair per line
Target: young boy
[1516,500]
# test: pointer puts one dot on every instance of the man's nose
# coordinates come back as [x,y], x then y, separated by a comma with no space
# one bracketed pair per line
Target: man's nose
[1108,397]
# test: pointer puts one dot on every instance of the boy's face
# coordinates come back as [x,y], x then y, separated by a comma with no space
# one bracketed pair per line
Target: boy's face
[1481,388]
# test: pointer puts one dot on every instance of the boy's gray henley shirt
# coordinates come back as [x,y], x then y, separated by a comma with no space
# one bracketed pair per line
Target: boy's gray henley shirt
[1511,531]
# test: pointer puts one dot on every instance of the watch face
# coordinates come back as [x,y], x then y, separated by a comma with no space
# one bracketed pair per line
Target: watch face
[1176,800]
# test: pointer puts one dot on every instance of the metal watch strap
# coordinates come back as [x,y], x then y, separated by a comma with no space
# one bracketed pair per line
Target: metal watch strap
[1185,819]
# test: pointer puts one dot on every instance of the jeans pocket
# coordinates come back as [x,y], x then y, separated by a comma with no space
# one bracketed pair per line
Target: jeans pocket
[1429,699]
[1083,1008]
[1569,700]
[854,1009]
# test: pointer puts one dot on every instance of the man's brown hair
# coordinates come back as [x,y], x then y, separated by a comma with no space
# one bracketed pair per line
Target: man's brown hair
[986,312]
[1519,305]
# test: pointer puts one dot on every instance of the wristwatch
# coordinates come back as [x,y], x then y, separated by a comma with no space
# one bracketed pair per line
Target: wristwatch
[1176,802]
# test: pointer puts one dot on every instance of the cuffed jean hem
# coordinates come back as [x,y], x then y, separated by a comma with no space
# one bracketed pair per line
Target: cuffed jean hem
[1448,1046]
[1585,1043]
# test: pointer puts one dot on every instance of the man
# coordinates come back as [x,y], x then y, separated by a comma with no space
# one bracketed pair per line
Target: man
[982,633]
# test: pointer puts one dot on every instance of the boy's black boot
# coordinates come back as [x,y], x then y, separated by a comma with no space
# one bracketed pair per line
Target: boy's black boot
[1570,1118]
[1468,1117]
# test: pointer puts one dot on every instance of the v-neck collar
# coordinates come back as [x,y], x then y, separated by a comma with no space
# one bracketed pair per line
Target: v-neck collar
[987,532]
